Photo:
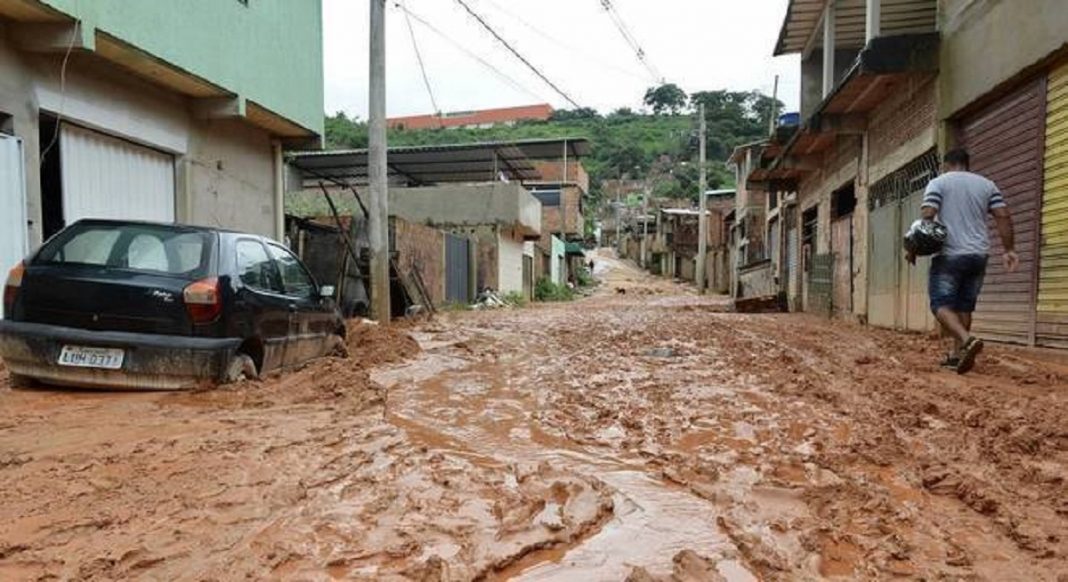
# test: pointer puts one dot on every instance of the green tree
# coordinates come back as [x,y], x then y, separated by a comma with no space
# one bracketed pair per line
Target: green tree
[345,133]
[667,98]
[573,114]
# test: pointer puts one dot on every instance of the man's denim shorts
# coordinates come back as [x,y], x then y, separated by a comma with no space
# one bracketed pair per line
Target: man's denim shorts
[955,281]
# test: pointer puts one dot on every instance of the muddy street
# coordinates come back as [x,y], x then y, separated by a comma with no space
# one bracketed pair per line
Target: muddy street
[644,433]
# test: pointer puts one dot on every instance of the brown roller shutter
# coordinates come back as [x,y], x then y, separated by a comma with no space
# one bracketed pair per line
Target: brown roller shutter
[1005,140]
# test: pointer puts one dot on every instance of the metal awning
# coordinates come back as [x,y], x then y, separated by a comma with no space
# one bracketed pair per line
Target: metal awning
[437,164]
[802,28]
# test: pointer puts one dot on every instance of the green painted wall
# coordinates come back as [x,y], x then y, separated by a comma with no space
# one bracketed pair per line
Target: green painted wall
[267,51]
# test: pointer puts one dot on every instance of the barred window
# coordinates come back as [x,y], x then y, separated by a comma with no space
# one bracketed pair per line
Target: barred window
[901,183]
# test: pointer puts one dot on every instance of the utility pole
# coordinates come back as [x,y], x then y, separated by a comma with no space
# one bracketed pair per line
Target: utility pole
[702,214]
[774,107]
[377,170]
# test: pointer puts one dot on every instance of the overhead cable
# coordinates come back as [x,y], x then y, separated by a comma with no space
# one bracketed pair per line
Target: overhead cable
[504,76]
[422,66]
[592,57]
[517,55]
[631,40]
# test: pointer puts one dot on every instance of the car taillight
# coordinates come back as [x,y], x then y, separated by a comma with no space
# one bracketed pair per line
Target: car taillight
[203,300]
[11,288]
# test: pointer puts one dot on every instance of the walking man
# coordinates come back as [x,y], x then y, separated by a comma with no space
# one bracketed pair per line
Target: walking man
[961,200]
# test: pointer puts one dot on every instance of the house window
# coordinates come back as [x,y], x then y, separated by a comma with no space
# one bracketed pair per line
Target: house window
[843,201]
[547,197]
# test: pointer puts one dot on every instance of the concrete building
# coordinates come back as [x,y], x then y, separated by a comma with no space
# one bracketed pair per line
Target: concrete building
[168,111]
[500,217]
[889,85]
[472,191]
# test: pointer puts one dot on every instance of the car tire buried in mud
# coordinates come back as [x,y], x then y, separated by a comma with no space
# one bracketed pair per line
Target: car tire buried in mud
[241,367]
[20,382]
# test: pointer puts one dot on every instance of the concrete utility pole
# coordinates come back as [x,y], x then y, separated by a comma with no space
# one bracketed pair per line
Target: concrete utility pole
[702,215]
[377,170]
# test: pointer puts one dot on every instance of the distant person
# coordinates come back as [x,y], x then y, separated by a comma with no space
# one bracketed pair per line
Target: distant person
[961,200]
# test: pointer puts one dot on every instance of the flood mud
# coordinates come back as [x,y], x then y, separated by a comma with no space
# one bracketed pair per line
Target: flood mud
[642,434]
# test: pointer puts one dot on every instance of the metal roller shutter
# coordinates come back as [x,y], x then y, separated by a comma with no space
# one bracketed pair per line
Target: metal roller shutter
[107,177]
[1052,325]
[1005,140]
[13,243]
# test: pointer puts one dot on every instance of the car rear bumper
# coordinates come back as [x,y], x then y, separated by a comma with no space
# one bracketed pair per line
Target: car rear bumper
[150,361]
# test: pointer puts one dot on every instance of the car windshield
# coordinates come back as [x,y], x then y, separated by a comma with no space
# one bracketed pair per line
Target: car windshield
[157,249]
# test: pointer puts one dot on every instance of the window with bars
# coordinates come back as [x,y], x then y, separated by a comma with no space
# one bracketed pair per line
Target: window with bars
[910,178]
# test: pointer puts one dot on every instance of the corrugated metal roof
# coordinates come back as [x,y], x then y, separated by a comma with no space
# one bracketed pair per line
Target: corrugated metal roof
[435,164]
[804,21]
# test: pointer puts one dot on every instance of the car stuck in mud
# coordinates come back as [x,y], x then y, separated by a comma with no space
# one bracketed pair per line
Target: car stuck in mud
[118,304]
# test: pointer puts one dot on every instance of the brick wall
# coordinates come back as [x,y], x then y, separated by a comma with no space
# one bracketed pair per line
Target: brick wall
[907,115]
[571,199]
[553,171]
[421,248]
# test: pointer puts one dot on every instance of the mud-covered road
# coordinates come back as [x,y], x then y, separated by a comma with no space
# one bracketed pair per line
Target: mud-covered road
[642,435]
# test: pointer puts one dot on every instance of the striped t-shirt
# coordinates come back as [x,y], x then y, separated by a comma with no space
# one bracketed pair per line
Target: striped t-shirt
[963,201]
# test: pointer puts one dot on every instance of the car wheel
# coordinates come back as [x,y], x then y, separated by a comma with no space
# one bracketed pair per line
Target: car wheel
[337,346]
[20,382]
[241,368]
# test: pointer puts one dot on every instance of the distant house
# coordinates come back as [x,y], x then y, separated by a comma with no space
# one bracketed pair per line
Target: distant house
[164,111]
[484,118]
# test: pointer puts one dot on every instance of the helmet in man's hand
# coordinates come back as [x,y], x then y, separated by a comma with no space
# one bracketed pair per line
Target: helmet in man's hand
[925,237]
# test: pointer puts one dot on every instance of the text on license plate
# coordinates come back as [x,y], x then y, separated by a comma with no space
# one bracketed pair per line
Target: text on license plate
[84,357]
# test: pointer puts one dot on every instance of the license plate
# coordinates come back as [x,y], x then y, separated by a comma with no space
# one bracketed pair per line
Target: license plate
[83,357]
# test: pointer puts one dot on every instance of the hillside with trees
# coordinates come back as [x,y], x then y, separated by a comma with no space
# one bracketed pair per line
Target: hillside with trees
[659,144]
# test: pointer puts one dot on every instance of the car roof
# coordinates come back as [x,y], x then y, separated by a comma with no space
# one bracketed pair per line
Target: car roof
[174,225]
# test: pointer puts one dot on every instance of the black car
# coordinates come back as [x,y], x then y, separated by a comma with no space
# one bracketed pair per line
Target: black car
[119,304]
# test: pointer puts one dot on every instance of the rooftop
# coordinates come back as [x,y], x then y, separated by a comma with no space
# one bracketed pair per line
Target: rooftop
[437,164]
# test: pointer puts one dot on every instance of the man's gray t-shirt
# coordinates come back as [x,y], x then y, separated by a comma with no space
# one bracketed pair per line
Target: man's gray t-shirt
[963,201]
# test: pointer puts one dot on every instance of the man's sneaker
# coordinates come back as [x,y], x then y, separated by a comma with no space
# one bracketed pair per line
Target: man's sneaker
[968,352]
[951,362]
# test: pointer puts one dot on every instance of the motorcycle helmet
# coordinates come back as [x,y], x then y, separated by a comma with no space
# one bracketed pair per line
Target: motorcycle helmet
[925,238]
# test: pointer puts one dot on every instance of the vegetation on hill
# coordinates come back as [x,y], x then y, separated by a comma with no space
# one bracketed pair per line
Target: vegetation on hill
[658,147]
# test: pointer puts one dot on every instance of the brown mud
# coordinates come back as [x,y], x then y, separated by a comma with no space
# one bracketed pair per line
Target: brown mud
[642,434]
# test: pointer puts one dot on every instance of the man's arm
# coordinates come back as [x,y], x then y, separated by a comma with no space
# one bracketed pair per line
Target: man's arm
[1003,220]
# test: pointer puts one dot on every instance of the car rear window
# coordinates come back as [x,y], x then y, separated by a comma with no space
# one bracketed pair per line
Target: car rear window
[180,252]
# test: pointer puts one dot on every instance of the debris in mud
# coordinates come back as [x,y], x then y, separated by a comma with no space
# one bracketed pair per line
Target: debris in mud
[660,353]
[762,304]
[370,344]
[688,567]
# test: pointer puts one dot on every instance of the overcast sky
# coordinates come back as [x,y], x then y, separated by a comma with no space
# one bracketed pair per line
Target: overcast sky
[698,44]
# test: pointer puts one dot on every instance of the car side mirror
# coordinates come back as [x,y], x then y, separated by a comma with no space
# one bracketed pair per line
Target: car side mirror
[326,291]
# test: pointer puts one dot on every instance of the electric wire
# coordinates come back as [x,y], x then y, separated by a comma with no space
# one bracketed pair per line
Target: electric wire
[504,76]
[422,65]
[512,49]
[631,40]
[62,90]
[593,58]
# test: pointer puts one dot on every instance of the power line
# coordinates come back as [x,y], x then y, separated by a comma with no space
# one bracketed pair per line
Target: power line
[422,66]
[504,76]
[594,58]
[631,40]
[517,55]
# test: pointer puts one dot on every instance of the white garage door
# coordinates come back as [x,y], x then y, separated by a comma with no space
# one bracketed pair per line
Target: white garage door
[106,177]
[13,244]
